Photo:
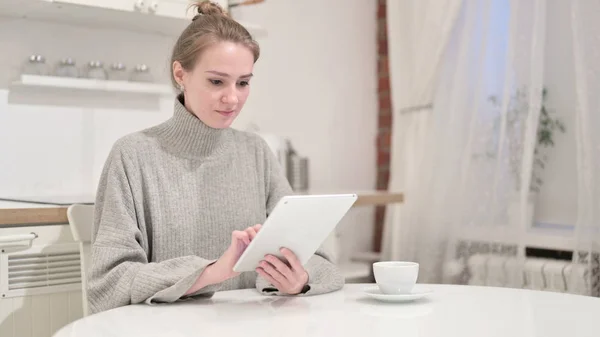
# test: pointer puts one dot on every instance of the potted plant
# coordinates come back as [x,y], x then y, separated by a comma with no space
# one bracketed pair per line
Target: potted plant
[548,126]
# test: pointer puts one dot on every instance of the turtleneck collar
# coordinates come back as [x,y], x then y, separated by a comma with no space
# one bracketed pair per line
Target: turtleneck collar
[186,135]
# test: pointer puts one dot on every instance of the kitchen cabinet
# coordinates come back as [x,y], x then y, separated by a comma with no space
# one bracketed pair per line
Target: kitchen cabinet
[161,17]
[40,280]
[179,9]
[176,8]
[121,5]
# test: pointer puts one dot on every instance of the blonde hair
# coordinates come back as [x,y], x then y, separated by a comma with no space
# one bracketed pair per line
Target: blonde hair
[211,25]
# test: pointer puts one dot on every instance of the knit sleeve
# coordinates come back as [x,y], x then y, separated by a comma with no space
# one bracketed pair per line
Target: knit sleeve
[119,272]
[323,274]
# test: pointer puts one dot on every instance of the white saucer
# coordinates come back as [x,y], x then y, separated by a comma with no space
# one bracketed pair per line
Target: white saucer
[418,291]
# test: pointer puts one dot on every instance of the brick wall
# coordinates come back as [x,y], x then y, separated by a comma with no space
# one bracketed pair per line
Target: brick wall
[384,117]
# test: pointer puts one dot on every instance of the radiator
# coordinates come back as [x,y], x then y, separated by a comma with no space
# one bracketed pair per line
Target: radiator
[528,273]
[40,281]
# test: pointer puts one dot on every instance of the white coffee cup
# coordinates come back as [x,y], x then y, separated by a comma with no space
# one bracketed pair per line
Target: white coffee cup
[395,277]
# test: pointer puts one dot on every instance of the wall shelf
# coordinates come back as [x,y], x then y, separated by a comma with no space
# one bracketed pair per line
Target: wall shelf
[68,12]
[53,82]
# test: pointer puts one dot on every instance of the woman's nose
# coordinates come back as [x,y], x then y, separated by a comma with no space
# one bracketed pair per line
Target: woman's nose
[230,97]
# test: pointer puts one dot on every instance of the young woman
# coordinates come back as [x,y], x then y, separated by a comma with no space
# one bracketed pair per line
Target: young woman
[178,203]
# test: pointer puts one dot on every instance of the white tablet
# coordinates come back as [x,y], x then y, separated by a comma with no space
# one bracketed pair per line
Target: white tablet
[300,223]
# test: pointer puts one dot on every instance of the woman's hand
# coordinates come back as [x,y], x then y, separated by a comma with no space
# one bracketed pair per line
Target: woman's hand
[287,279]
[239,242]
[222,269]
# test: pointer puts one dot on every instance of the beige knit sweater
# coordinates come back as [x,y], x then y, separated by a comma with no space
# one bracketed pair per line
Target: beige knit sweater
[169,198]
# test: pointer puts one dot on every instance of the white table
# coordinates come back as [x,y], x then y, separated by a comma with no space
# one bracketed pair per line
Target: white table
[449,311]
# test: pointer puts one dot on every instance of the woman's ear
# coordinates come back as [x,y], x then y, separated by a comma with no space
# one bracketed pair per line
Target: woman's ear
[178,73]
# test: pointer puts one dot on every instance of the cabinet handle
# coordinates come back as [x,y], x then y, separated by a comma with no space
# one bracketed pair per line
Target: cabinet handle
[139,4]
[153,6]
[18,238]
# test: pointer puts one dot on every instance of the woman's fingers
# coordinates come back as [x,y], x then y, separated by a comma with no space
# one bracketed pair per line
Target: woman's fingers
[241,236]
[287,279]
[292,259]
[269,278]
[276,275]
[251,232]
[280,266]
[247,234]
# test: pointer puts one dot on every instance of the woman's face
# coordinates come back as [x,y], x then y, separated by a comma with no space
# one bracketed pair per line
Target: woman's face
[216,89]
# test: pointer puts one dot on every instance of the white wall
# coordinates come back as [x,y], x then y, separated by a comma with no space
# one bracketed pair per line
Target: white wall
[315,83]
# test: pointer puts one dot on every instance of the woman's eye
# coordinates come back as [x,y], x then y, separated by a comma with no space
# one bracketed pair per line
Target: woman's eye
[216,82]
[244,83]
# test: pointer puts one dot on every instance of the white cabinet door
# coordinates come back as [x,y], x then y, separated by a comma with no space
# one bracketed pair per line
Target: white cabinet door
[171,8]
[123,5]
[179,9]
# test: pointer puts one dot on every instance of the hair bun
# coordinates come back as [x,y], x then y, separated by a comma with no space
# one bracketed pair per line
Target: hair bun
[206,7]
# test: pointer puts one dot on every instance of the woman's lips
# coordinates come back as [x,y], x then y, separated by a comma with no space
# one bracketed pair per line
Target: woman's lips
[226,112]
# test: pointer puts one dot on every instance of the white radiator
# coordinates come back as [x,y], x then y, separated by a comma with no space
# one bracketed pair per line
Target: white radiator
[530,273]
[40,281]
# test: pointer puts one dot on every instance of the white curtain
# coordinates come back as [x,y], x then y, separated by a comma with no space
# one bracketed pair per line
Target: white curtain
[418,32]
[466,165]
[471,136]
[586,52]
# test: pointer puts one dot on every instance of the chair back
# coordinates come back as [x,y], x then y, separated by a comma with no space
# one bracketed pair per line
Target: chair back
[81,219]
